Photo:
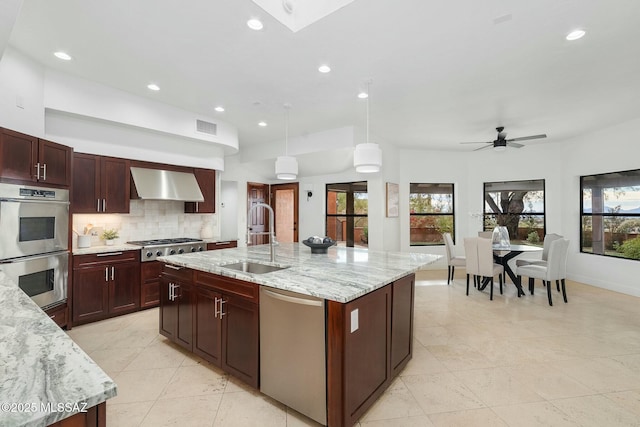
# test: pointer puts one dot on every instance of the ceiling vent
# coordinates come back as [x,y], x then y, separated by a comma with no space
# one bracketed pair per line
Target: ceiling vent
[206,127]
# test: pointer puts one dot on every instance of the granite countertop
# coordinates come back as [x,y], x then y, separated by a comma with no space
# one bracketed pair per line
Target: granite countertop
[128,247]
[342,275]
[40,365]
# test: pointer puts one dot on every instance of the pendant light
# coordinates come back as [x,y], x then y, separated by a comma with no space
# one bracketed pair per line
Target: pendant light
[367,157]
[286,166]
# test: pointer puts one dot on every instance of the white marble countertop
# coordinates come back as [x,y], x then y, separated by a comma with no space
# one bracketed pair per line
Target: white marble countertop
[40,365]
[342,275]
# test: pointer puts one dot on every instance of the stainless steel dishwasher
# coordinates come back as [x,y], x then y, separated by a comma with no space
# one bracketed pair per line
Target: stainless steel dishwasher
[292,351]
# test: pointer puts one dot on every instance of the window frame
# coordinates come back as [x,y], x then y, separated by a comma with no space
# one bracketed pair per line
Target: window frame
[434,214]
[591,214]
[543,214]
[354,215]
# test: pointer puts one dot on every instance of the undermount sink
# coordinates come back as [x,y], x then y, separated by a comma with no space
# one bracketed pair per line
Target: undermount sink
[252,267]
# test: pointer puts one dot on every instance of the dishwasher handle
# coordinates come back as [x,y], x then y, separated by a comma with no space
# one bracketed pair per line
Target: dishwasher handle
[293,300]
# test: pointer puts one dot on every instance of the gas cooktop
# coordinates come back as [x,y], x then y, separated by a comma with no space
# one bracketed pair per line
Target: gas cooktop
[156,242]
[154,248]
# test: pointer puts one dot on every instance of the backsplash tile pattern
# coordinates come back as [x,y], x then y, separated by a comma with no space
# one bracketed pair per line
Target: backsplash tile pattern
[147,219]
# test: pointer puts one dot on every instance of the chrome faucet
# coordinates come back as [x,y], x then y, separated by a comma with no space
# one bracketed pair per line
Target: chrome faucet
[271,233]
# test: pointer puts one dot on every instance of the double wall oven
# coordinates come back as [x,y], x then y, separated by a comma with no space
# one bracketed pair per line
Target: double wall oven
[34,236]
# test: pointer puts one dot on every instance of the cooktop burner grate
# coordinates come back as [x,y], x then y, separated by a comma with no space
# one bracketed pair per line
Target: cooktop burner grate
[174,241]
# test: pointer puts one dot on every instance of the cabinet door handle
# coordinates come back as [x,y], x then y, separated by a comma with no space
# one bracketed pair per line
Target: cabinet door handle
[97,205]
[44,171]
[104,205]
[112,273]
[170,291]
[53,316]
[109,254]
[215,307]
[222,313]
[173,267]
[38,171]
[106,274]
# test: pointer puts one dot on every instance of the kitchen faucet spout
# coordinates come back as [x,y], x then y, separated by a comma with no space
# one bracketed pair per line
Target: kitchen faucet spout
[271,232]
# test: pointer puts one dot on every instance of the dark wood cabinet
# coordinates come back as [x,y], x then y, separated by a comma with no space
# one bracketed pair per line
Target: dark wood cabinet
[214,316]
[105,285]
[95,416]
[100,184]
[177,300]
[27,159]
[228,311]
[222,245]
[150,283]
[207,181]
[59,314]
[383,333]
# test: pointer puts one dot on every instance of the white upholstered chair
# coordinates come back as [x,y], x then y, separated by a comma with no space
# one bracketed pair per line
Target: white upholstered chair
[555,269]
[453,260]
[485,234]
[545,252]
[479,253]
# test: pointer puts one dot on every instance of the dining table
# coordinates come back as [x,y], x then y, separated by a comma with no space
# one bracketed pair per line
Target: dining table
[503,254]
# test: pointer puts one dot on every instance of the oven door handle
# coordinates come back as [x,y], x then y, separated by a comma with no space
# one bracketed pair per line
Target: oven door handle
[33,257]
[13,200]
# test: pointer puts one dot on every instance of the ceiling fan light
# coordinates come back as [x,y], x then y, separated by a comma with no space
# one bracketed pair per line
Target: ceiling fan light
[499,148]
[367,158]
[286,167]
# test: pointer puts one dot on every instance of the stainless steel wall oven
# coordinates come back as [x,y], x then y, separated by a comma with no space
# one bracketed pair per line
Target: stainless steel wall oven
[34,251]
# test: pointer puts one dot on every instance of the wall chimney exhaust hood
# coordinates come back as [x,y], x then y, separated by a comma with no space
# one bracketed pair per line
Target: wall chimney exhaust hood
[158,184]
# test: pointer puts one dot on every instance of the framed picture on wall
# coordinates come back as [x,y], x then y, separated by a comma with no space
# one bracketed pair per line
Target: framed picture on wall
[393,199]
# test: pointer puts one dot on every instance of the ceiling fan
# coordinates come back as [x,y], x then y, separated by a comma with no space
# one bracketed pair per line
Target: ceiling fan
[501,142]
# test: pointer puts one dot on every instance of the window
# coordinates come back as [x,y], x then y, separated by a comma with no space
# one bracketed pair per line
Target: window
[610,208]
[430,213]
[517,205]
[347,210]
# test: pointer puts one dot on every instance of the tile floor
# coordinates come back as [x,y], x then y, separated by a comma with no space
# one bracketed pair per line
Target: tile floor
[508,362]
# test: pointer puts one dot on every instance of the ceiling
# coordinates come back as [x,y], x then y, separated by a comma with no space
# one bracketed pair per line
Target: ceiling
[442,72]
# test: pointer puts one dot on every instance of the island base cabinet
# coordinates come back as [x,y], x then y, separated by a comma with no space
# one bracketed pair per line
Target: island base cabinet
[208,328]
[240,331]
[176,310]
[95,416]
[368,343]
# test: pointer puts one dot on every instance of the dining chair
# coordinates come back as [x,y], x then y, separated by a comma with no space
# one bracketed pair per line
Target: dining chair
[471,253]
[555,269]
[453,260]
[545,252]
[487,267]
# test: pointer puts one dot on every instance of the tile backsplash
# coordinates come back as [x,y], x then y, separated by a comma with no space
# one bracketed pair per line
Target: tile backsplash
[147,219]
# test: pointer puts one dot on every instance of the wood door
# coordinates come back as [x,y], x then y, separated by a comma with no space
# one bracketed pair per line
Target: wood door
[115,185]
[240,337]
[124,289]
[18,156]
[85,191]
[55,160]
[208,327]
[285,207]
[90,294]
[207,182]
[168,309]
[186,300]
[258,221]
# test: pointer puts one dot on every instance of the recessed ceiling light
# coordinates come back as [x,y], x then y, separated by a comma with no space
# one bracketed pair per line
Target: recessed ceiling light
[255,24]
[262,124]
[153,86]
[575,35]
[63,55]
[324,68]
[363,95]
[219,109]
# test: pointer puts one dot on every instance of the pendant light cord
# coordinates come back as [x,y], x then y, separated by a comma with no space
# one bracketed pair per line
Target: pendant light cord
[286,130]
[368,96]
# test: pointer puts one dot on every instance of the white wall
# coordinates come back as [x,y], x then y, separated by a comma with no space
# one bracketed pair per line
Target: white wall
[608,150]
[21,94]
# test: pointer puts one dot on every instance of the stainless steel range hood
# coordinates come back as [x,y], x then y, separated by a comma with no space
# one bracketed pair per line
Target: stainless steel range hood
[158,184]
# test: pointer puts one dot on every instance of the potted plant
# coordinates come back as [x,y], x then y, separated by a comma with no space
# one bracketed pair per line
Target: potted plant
[109,235]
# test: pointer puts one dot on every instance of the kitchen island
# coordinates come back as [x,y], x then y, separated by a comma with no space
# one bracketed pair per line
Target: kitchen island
[45,378]
[367,296]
